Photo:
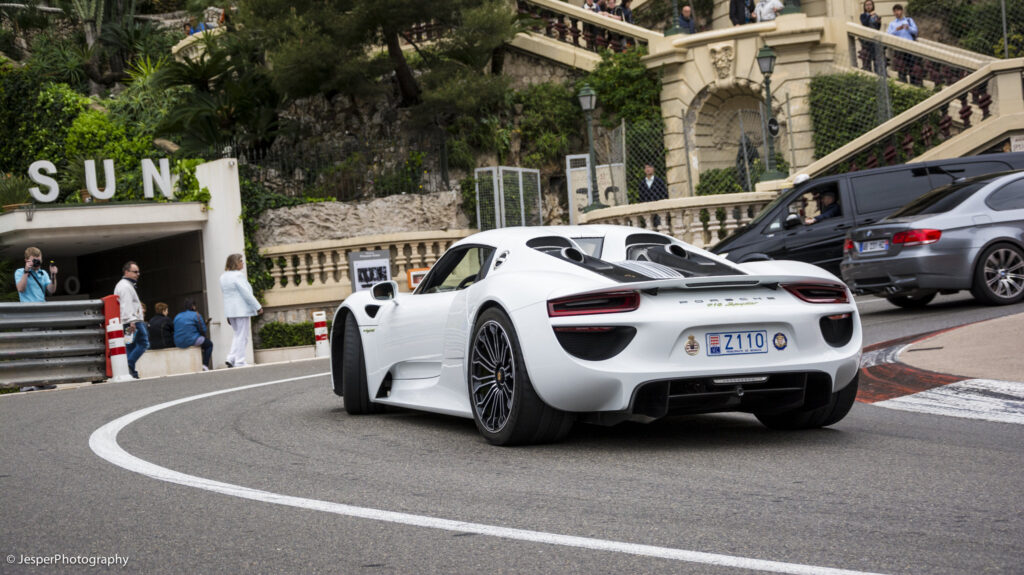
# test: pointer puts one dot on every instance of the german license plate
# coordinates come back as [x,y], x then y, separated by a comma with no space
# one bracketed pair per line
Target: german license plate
[874,246]
[737,342]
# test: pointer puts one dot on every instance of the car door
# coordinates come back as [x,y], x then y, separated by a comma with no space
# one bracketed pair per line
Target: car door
[412,332]
[819,243]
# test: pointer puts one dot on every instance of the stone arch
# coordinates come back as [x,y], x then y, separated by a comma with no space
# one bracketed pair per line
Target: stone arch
[716,119]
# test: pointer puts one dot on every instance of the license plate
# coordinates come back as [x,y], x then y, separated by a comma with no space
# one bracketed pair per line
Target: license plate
[737,342]
[874,246]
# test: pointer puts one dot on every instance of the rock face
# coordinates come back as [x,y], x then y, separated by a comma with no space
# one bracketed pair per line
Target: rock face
[340,220]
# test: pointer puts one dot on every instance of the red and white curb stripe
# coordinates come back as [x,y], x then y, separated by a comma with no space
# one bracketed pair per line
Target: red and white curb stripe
[886,382]
[323,346]
[118,357]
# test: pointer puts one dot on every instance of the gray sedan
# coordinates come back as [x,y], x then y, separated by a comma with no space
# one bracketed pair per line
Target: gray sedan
[967,235]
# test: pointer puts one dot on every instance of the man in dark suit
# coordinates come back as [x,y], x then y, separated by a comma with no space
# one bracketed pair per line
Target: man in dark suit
[652,188]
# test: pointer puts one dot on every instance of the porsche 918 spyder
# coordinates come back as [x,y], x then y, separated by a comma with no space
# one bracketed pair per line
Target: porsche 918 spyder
[526,330]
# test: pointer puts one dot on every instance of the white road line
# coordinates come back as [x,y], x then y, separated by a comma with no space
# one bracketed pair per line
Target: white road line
[103,442]
[987,399]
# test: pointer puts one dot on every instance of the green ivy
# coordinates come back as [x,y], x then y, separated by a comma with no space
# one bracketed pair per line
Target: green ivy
[845,106]
[277,334]
[625,88]
[257,199]
[35,117]
[94,135]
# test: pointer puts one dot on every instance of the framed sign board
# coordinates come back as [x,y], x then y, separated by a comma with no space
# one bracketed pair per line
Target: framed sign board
[368,268]
[415,276]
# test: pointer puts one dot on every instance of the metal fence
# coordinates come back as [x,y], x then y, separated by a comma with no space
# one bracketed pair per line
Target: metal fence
[507,196]
[56,342]
[990,27]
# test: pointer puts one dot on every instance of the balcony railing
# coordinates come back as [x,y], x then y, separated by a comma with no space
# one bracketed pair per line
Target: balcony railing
[318,272]
[700,220]
[582,28]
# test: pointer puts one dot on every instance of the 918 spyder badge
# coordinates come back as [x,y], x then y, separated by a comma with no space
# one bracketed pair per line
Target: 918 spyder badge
[779,341]
[692,347]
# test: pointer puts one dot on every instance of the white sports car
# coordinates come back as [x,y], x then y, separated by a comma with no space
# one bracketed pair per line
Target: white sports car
[527,329]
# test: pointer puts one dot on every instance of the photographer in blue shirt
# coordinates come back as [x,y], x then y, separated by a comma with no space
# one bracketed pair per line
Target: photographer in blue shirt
[32,281]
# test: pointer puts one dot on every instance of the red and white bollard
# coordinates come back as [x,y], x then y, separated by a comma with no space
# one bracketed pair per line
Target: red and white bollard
[118,353]
[323,346]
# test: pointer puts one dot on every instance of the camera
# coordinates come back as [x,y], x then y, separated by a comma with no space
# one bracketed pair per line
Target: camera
[37,263]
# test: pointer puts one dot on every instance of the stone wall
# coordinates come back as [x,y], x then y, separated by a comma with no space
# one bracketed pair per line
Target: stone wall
[340,220]
[524,69]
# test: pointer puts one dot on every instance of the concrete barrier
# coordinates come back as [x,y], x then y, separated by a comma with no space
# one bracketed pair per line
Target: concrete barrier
[170,361]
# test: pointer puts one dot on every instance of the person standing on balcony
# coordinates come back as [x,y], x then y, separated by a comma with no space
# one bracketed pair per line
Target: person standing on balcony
[239,307]
[591,5]
[767,10]
[686,20]
[870,19]
[740,11]
[905,27]
[625,12]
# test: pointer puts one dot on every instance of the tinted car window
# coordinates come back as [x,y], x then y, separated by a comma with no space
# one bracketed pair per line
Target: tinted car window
[457,269]
[969,170]
[940,200]
[1008,197]
[888,190]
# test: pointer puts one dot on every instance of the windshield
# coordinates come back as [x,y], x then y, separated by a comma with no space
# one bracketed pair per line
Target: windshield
[768,209]
[939,200]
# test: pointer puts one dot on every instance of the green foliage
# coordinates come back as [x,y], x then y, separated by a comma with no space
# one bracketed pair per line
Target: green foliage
[14,189]
[8,292]
[625,88]
[550,117]
[845,106]
[977,25]
[59,59]
[719,181]
[188,189]
[35,117]
[403,179]
[94,135]
[277,334]
[467,187]
[144,104]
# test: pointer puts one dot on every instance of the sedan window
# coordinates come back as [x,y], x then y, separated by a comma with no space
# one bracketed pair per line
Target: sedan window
[1008,197]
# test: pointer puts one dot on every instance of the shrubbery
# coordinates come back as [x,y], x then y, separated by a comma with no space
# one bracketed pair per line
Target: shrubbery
[278,334]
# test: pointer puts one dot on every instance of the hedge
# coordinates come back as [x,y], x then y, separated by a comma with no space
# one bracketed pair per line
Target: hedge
[278,334]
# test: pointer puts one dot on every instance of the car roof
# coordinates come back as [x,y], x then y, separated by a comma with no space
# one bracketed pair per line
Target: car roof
[523,234]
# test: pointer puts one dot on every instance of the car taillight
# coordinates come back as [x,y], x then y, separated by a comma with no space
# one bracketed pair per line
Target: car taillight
[611,302]
[818,293]
[917,237]
[848,245]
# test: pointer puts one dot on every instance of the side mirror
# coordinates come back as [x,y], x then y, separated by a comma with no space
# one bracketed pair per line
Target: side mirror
[792,221]
[384,291]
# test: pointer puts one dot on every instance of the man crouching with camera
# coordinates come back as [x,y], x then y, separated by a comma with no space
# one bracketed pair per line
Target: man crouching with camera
[32,281]
[33,284]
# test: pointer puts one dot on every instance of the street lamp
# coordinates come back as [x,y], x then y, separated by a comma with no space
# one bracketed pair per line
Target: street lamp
[766,63]
[588,99]
[677,25]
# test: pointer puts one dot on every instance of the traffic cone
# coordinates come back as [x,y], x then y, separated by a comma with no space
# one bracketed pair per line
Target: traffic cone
[117,351]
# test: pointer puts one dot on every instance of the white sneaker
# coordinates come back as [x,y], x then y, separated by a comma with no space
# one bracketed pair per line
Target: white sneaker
[29,388]
[206,368]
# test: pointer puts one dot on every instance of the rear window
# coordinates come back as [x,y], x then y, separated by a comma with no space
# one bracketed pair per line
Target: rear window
[1008,197]
[940,200]
[888,190]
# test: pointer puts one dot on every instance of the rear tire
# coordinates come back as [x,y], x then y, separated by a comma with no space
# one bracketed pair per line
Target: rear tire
[999,275]
[836,409]
[912,301]
[353,372]
[506,409]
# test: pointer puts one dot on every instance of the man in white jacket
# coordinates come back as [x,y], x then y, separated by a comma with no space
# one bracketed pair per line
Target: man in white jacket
[131,315]
[239,306]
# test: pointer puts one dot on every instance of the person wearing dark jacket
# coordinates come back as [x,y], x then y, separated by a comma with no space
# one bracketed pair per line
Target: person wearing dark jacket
[651,188]
[161,328]
[739,12]
[190,330]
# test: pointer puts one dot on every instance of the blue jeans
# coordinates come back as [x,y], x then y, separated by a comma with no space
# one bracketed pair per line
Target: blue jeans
[137,347]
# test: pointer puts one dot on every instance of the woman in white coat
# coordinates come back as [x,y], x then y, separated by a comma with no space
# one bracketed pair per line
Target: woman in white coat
[239,306]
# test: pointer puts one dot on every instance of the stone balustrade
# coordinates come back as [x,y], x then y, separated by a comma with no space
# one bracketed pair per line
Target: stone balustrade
[191,47]
[582,28]
[933,62]
[700,220]
[910,136]
[318,272]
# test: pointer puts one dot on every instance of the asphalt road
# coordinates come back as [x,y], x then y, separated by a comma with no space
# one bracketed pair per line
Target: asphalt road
[883,491]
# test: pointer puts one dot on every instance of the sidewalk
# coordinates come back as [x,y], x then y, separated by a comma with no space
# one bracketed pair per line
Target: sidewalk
[989,349]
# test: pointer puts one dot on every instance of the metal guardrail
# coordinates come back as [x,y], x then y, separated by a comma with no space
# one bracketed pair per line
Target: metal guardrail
[56,342]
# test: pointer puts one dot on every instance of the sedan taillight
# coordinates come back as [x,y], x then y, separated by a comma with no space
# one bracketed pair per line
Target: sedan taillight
[848,245]
[917,237]
[610,302]
[818,293]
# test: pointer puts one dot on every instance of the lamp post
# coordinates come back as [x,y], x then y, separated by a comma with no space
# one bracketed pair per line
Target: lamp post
[677,26]
[588,99]
[766,62]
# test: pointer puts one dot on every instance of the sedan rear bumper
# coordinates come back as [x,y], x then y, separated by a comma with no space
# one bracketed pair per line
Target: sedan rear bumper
[913,270]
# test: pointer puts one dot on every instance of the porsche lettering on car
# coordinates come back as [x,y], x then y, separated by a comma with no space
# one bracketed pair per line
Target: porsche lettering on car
[527,330]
